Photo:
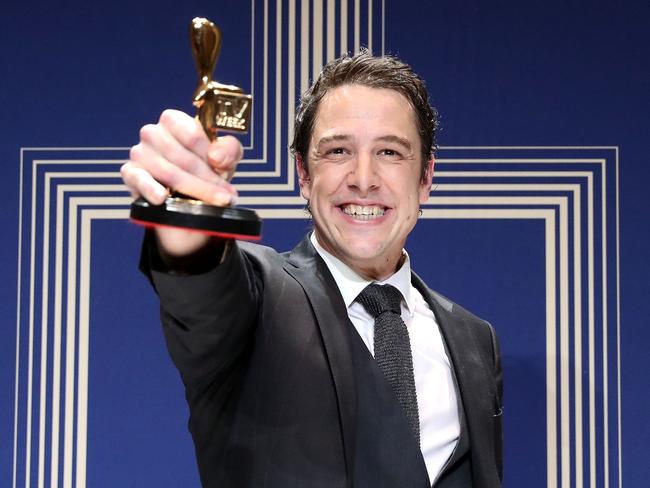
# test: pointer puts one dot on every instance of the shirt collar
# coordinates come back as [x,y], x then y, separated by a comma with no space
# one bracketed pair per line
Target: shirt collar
[351,284]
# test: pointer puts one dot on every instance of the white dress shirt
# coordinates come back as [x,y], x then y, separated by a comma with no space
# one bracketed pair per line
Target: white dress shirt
[434,385]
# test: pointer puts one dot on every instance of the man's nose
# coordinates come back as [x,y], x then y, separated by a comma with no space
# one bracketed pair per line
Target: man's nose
[364,176]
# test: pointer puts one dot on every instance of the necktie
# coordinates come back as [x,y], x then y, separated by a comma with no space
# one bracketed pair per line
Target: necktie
[393,347]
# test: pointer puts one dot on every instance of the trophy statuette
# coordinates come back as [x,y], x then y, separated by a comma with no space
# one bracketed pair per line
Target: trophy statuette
[219,108]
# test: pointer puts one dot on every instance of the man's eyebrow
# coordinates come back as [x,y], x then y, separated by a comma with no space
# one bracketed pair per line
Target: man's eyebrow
[402,141]
[334,138]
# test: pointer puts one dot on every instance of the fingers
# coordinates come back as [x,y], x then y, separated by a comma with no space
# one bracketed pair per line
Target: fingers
[141,183]
[197,182]
[176,153]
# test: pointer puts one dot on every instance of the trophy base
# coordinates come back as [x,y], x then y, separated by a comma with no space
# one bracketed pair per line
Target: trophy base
[183,213]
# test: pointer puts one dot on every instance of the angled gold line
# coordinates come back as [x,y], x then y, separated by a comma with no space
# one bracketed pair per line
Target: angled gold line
[551,357]
[383,27]
[77,161]
[357,26]
[370,25]
[82,362]
[245,200]
[551,338]
[258,174]
[485,200]
[618,329]
[304,45]
[246,161]
[266,81]
[278,87]
[252,68]
[605,331]
[429,213]
[99,200]
[83,174]
[565,405]
[30,337]
[121,161]
[89,188]
[520,160]
[68,441]
[281,213]
[56,347]
[577,148]
[263,187]
[291,83]
[577,336]
[82,365]
[488,213]
[44,331]
[106,214]
[317,38]
[503,186]
[18,318]
[71,327]
[344,27]
[87,216]
[433,200]
[438,174]
[591,338]
[252,80]
[265,77]
[75,148]
[330,30]
[510,174]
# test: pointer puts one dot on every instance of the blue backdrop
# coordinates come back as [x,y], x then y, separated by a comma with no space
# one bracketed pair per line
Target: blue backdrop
[538,220]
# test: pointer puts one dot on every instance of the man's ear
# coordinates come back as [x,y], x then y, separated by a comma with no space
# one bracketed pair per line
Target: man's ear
[427,179]
[303,178]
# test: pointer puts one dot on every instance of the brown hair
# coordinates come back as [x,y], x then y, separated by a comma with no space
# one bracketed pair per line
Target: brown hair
[374,72]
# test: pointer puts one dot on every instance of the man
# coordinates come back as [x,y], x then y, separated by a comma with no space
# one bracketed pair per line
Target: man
[276,350]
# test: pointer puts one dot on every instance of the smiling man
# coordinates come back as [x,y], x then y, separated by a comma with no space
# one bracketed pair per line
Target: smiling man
[364,177]
[332,365]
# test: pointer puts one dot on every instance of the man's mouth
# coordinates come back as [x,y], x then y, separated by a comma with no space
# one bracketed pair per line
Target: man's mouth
[363,212]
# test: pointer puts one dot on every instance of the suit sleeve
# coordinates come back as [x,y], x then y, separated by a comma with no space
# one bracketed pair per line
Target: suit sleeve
[208,317]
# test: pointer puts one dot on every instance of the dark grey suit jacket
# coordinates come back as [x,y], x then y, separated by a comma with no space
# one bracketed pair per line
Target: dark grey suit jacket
[263,348]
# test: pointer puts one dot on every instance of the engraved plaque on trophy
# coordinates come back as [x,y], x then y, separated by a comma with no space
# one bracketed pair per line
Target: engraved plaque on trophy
[219,108]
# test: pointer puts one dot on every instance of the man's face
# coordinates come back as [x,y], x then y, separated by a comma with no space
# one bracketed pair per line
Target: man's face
[364,184]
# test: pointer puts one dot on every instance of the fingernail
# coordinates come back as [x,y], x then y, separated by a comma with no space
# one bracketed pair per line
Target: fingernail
[161,193]
[222,199]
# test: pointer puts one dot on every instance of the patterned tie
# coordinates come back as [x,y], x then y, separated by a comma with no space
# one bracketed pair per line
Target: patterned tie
[392,347]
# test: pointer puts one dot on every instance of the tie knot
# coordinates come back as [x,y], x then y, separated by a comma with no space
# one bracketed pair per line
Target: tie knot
[377,299]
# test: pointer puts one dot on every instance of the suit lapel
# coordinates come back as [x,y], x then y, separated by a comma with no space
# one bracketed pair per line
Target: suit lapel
[310,271]
[466,357]
[475,382]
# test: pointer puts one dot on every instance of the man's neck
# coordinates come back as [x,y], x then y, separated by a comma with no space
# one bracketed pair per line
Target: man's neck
[377,268]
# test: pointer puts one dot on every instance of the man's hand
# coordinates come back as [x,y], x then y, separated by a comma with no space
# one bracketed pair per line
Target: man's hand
[175,153]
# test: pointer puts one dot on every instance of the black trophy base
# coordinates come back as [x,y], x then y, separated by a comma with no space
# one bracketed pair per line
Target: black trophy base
[226,222]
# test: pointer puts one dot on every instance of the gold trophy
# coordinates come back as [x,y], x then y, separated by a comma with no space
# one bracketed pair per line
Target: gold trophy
[219,108]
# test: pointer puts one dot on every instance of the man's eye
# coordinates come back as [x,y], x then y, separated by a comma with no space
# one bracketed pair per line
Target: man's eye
[336,150]
[389,152]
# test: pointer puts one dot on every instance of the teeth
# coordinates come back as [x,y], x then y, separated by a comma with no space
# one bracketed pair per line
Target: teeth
[362,212]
